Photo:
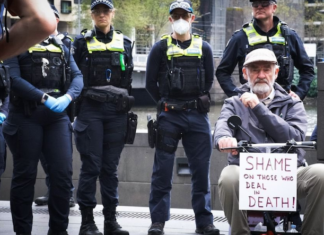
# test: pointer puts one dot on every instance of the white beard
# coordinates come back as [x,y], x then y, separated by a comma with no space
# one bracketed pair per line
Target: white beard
[261,88]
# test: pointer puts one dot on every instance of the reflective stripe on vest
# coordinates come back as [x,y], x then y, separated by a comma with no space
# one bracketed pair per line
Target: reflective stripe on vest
[255,38]
[49,47]
[195,48]
[116,44]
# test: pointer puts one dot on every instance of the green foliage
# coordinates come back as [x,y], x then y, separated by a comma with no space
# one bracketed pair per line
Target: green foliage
[313,87]
[85,15]
[141,15]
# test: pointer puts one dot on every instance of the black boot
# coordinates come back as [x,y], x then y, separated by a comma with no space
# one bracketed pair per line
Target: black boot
[111,225]
[72,202]
[41,201]
[88,226]
[52,232]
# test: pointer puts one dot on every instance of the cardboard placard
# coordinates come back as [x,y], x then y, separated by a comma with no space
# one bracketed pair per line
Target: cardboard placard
[268,181]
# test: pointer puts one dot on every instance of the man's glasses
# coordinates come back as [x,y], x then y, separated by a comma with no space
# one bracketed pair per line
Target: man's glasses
[261,3]
[99,12]
[184,16]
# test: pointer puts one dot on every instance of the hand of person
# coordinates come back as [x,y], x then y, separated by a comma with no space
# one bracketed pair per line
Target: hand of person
[294,95]
[2,117]
[249,100]
[61,103]
[49,103]
[228,142]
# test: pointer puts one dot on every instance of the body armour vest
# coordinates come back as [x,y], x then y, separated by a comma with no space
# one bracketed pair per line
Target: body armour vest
[278,44]
[105,64]
[43,67]
[181,72]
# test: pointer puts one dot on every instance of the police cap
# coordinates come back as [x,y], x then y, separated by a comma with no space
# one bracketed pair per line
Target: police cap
[182,4]
[108,3]
[57,14]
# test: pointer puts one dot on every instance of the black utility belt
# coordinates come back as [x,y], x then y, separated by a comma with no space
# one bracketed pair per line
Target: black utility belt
[100,96]
[123,103]
[202,104]
[179,105]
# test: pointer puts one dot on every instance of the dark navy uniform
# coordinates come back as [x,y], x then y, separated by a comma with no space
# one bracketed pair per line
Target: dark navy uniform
[68,42]
[238,46]
[100,127]
[32,129]
[192,64]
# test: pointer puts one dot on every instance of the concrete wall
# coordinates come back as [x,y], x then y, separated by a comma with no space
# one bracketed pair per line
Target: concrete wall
[135,171]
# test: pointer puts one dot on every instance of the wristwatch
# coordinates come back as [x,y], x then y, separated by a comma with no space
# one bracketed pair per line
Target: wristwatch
[44,98]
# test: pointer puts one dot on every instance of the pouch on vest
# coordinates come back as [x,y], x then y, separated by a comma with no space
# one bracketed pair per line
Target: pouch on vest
[175,77]
[131,128]
[124,103]
[203,103]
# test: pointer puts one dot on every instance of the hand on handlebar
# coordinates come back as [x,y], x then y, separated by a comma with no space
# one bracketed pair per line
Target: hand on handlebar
[228,142]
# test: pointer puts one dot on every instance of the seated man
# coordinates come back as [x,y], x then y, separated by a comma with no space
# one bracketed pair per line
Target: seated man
[269,115]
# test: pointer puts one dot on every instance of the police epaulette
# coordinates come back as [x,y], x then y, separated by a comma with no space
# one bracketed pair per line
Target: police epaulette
[127,38]
[245,25]
[87,34]
[283,23]
[164,36]
[69,37]
[84,30]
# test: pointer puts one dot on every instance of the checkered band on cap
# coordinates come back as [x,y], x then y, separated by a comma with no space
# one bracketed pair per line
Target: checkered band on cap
[105,2]
[183,4]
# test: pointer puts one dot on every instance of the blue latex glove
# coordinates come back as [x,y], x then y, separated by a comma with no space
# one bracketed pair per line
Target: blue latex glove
[61,104]
[50,102]
[2,118]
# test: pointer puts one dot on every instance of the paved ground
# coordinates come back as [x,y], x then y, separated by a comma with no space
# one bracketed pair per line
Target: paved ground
[135,219]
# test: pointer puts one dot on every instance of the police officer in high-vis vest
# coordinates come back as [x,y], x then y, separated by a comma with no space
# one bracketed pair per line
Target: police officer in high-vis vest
[104,57]
[179,74]
[43,200]
[266,30]
[44,80]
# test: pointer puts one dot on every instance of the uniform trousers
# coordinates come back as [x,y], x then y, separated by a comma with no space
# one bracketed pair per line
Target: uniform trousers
[99,136]
[196,140]
[43,132]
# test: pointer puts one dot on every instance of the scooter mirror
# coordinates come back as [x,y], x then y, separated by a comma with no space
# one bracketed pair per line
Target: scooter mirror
[234,122]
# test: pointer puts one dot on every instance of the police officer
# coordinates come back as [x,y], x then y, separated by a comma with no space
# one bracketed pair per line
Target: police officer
[266,30]
[43,200]
[44,81]
[35,24]
[179,74]
[104,57]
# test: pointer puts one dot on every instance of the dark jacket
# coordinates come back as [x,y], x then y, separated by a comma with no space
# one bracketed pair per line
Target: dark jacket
[284,119]
[235,52]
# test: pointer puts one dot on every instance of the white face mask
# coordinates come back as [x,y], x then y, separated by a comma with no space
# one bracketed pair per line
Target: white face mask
[181,26]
